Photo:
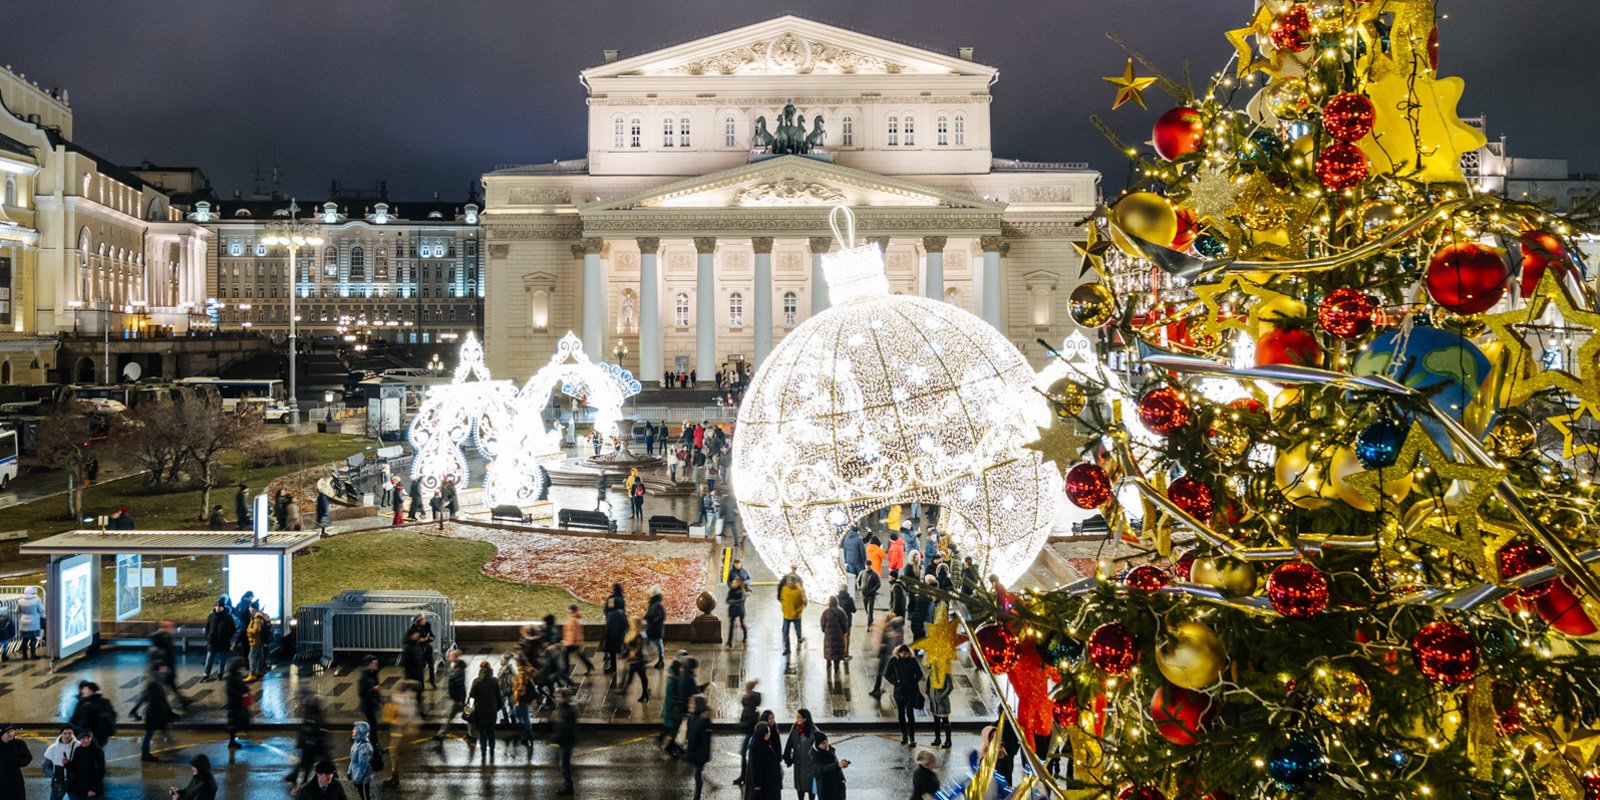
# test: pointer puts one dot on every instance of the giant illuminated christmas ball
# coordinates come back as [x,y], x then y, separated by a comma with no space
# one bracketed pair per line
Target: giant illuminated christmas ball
[887,399]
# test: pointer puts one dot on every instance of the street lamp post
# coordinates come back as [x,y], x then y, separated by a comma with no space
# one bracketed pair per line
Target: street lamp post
[293,234]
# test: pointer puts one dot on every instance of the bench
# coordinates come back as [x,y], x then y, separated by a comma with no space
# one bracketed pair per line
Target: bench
[587,520]
[509,512]
[663,523]
[13,536]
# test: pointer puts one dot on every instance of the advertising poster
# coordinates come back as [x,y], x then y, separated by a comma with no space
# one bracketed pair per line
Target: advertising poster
[130,585]
[259,573]
[76,602]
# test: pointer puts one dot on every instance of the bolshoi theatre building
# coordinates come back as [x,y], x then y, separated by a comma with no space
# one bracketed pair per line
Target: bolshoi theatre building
[691,232]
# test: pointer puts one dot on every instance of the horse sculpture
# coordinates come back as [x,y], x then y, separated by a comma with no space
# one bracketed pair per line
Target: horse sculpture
[790,136]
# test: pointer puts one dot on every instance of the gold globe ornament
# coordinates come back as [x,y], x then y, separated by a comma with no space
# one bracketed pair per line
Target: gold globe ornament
[1338,695]
[1091,304]
[1227,438]
[1289,98]
[1346,464]
[1147,215]
[1234,577]
[1328,17]
[1069,398]
[1513,435]
[1375,219]
[1190,655]
[1302,479]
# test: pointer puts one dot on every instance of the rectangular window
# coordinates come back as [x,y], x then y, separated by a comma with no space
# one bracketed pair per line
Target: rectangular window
[894,131]
[961,130]
[736,310]
[911,132]
[666,133]
[791,308]
[636,133]
[730,134]
[683,132]
[944,131]
[617,133]
[848,131]
[5,290]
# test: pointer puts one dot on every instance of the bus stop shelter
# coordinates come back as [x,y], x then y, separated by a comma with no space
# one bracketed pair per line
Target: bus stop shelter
[73,580]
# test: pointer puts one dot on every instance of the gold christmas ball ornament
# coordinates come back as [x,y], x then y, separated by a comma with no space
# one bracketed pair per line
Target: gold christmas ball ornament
[1300,477]
[1289,98]
[1513,435]
[1303,158]
[1346,464]
[1190,655]
[1277,312]
[1091,304]
[1069,399]
[1146,215]
[1227,438]
[1328,16]
[1376,219]
[1234,577]
[1338,695]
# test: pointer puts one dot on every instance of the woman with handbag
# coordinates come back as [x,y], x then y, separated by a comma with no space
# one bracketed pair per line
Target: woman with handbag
[905,674]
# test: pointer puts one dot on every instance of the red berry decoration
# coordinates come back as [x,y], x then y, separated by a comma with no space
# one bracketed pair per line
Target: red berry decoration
[1524,555]
[1181,715]
[1288,346]
[1193,496]
[1445,653]
[1140,792]
[1164,411]
[1292,30]
[1297,589]
[1467,277]
[1178,133]
[1113,648]
[1088,486]
[1348,116]
[1340,166]
[999,647]
[1065,711]
[1346,313]
[1145,578]
[1540,250]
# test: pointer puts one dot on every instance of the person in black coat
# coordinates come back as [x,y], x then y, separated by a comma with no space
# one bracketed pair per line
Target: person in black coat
[220,629]
[157,708]
[749,718]
[94,712]
[202,784]
[655,626]
[688,686]
[697,749]
[564,736]
[924,781]
[485,699]
[829,770]
[615,635]
[86,769]
[238,701]
[421,631]
[764,765]
[311,738]
[241,508]
[325,786]
[14,755]
[370,698]
[906,675]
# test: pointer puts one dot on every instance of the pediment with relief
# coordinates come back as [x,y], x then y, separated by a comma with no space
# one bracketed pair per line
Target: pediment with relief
[788,54]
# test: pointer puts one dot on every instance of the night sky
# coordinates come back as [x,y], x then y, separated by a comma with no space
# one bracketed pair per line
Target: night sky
[430,94]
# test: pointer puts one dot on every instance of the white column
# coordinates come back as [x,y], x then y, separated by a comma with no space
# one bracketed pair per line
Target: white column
[594,303]
[819,282]
[933,267]
[651,367]
[991,280]
[705,309]
[763,319]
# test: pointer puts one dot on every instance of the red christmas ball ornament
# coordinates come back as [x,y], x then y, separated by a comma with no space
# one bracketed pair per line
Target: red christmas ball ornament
[1523,555]
[1065,711]
[1467,277]
[1178,133]
[1348,116]
[1562,610]
[1297,589]
[1249,405]
[1088,486]
[1184,566]
[1113,648]
[1181,715]
[1445,653]
[1292,30]
[1145,578]
[1164,411]
[1540,250]
[1288,346]
[1193,496]
[1340,166]
[1188,228]
[999,647]
[1591,784]
[1433,48]
[1140,792]
[1346,313]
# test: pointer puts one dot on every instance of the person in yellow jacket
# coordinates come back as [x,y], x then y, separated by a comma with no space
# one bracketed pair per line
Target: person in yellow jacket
[258,634]
[792,596]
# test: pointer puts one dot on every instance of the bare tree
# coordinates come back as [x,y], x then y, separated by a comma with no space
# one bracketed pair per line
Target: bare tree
[208,432]
[156,439]
[66,441]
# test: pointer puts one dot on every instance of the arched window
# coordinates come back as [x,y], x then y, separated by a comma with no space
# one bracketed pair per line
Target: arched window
[84,251]
[911,131]
[636,132]
[736,310]
[539,310]
[847,132]
[791,308]
[11,191]
[5,373]
[680,310]
[683,132]
[730,132]
[330,261]
[380,269]
[358,263]
[668,127]
[618,132]
[894,131]
[942,129]
[961,130]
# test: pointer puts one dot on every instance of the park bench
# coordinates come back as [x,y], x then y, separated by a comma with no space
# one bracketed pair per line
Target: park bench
[587,520]
[510,513]
[663,523]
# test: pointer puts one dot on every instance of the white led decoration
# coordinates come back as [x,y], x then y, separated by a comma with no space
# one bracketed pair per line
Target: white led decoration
[886,399]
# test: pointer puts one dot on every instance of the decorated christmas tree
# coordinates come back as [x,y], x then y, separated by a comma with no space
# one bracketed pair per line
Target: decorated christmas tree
[1346,426]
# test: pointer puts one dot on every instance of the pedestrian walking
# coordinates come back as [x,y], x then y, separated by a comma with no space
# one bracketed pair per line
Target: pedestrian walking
[688,687]
[890,636]
[202,784]
[157,709]
[655,625]
[524,690]
[324,786]
[455,684]
[895,555]
[665,739]
[829,770]
[238,701]
[792,598]
[241,508]
[30,616]
[416,499]
[868,583]
[924,781]
[749,718]
[311,737]
[360,770]
[763,775]
[258,634]
[218,521]
[919,609]
[400,713]
[324,513]
[938,693]
[369,701]
[55,762]
[14,755]
[854,551]
[737,570]
[94,713]
[164,642]
[612,639]
[736,595]
[697,751]
[572,641]
[485,702]
[847,604]
[899,598]
[564,736]
[636,656]
[421,631]
[397,502]
[296,523]
[280,509]
[835,626]
[220,628]
[86,768]
[798,751]
[905,674]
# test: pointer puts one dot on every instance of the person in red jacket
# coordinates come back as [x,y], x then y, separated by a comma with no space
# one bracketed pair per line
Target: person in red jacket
[896,556]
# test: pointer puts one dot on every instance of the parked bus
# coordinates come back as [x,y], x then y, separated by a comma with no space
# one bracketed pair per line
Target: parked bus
[8,457]
[263,394]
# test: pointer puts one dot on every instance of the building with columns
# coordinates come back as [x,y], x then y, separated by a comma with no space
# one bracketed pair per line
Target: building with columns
[680,237]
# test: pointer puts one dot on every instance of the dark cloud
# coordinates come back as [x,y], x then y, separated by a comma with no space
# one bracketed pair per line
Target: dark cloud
[430,94]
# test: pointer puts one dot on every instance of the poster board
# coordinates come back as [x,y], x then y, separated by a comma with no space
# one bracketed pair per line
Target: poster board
[130,585]
[72,605]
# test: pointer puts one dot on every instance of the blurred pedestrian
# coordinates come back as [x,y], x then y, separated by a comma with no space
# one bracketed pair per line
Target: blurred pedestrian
[655,625]
[572,641]
[924,781]
[868,583]
[241,508]
[238,701]
[749,718]
[697,751]
[564,736]
[30,616]
[311,736]
[369,701]
[157,708]
[455,683]
[397,502]
[202,784]
[636,659]
[613,638]
[360,770]
[218,521]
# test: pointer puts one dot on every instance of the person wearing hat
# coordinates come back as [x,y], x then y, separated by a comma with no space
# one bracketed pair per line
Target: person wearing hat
[564,736]
[202,784]
[829,769]
[86,768]
[697,746]
[322,787]
[924,781]
[30,615]
[55,761]
[14,755]
[94,712]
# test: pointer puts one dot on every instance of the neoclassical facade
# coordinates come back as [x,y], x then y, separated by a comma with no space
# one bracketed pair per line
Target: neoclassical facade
[682,238]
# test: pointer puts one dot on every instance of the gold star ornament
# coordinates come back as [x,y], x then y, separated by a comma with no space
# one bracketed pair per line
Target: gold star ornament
[1060,444]
[940,645]
[1578,439]
[1129,87]
[1582,377]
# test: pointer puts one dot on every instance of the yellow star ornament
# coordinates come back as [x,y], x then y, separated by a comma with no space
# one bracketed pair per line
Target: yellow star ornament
[940,646]
[1060,444]
[1129,87]
[1576,440]
[1417,134]
[1242,317]
[1582,376]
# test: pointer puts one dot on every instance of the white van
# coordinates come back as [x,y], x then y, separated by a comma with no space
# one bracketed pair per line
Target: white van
[8,458]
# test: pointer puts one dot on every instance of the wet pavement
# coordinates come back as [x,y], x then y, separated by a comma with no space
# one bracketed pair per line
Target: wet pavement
[608,765]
